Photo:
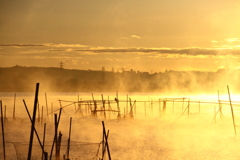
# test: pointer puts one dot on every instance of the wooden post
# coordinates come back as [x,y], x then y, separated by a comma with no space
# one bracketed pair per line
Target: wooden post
[56,139]
[106,139]
[44,133]
[117,101]
[69,138]
[58,146]
[103,144]
[220,105]
[42,117]
[14,107]
[3,137]
[33,122]
[94,113]
[104,113]
[46,105]
[183,104]
[55,135]
[39,114]
[232,111]
[164,106]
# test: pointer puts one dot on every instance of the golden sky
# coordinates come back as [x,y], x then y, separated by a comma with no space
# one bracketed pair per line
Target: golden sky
[132,34]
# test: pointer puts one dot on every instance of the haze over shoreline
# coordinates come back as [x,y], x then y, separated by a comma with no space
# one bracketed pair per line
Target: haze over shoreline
[53,79]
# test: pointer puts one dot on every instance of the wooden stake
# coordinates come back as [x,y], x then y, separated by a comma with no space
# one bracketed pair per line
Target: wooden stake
[220,105]
[117,101]
[69,138]
[3,137]
[14,106]
[55,135]
[33,122]
[106,138]
[46,105]
[44,133]
[39,114]
[232,112]
[103,102]
[42,117]
[55,139]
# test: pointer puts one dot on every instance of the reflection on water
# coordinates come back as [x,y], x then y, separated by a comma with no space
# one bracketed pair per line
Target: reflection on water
[163,127]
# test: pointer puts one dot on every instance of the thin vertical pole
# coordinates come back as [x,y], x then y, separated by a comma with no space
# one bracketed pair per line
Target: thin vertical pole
[44,133]
[220,105]
[3,137]
[105,135]
[42,117]
[14,106]
[33,122]
[232,111]
[117,101]
[39,114]
[46,105]
[103,143]
[69,138]
[182,104]
[104,112]
[55,136]
[56,141]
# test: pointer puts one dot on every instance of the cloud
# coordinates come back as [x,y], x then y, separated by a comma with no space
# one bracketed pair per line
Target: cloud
[65,50]
[21,45]
[135,36]
[232,40]
[181,51]
[43,45]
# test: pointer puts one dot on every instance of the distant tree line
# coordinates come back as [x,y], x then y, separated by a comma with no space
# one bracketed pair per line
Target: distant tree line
[23,79]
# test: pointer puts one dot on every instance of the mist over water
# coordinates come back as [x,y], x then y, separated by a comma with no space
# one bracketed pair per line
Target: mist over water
[174,133]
